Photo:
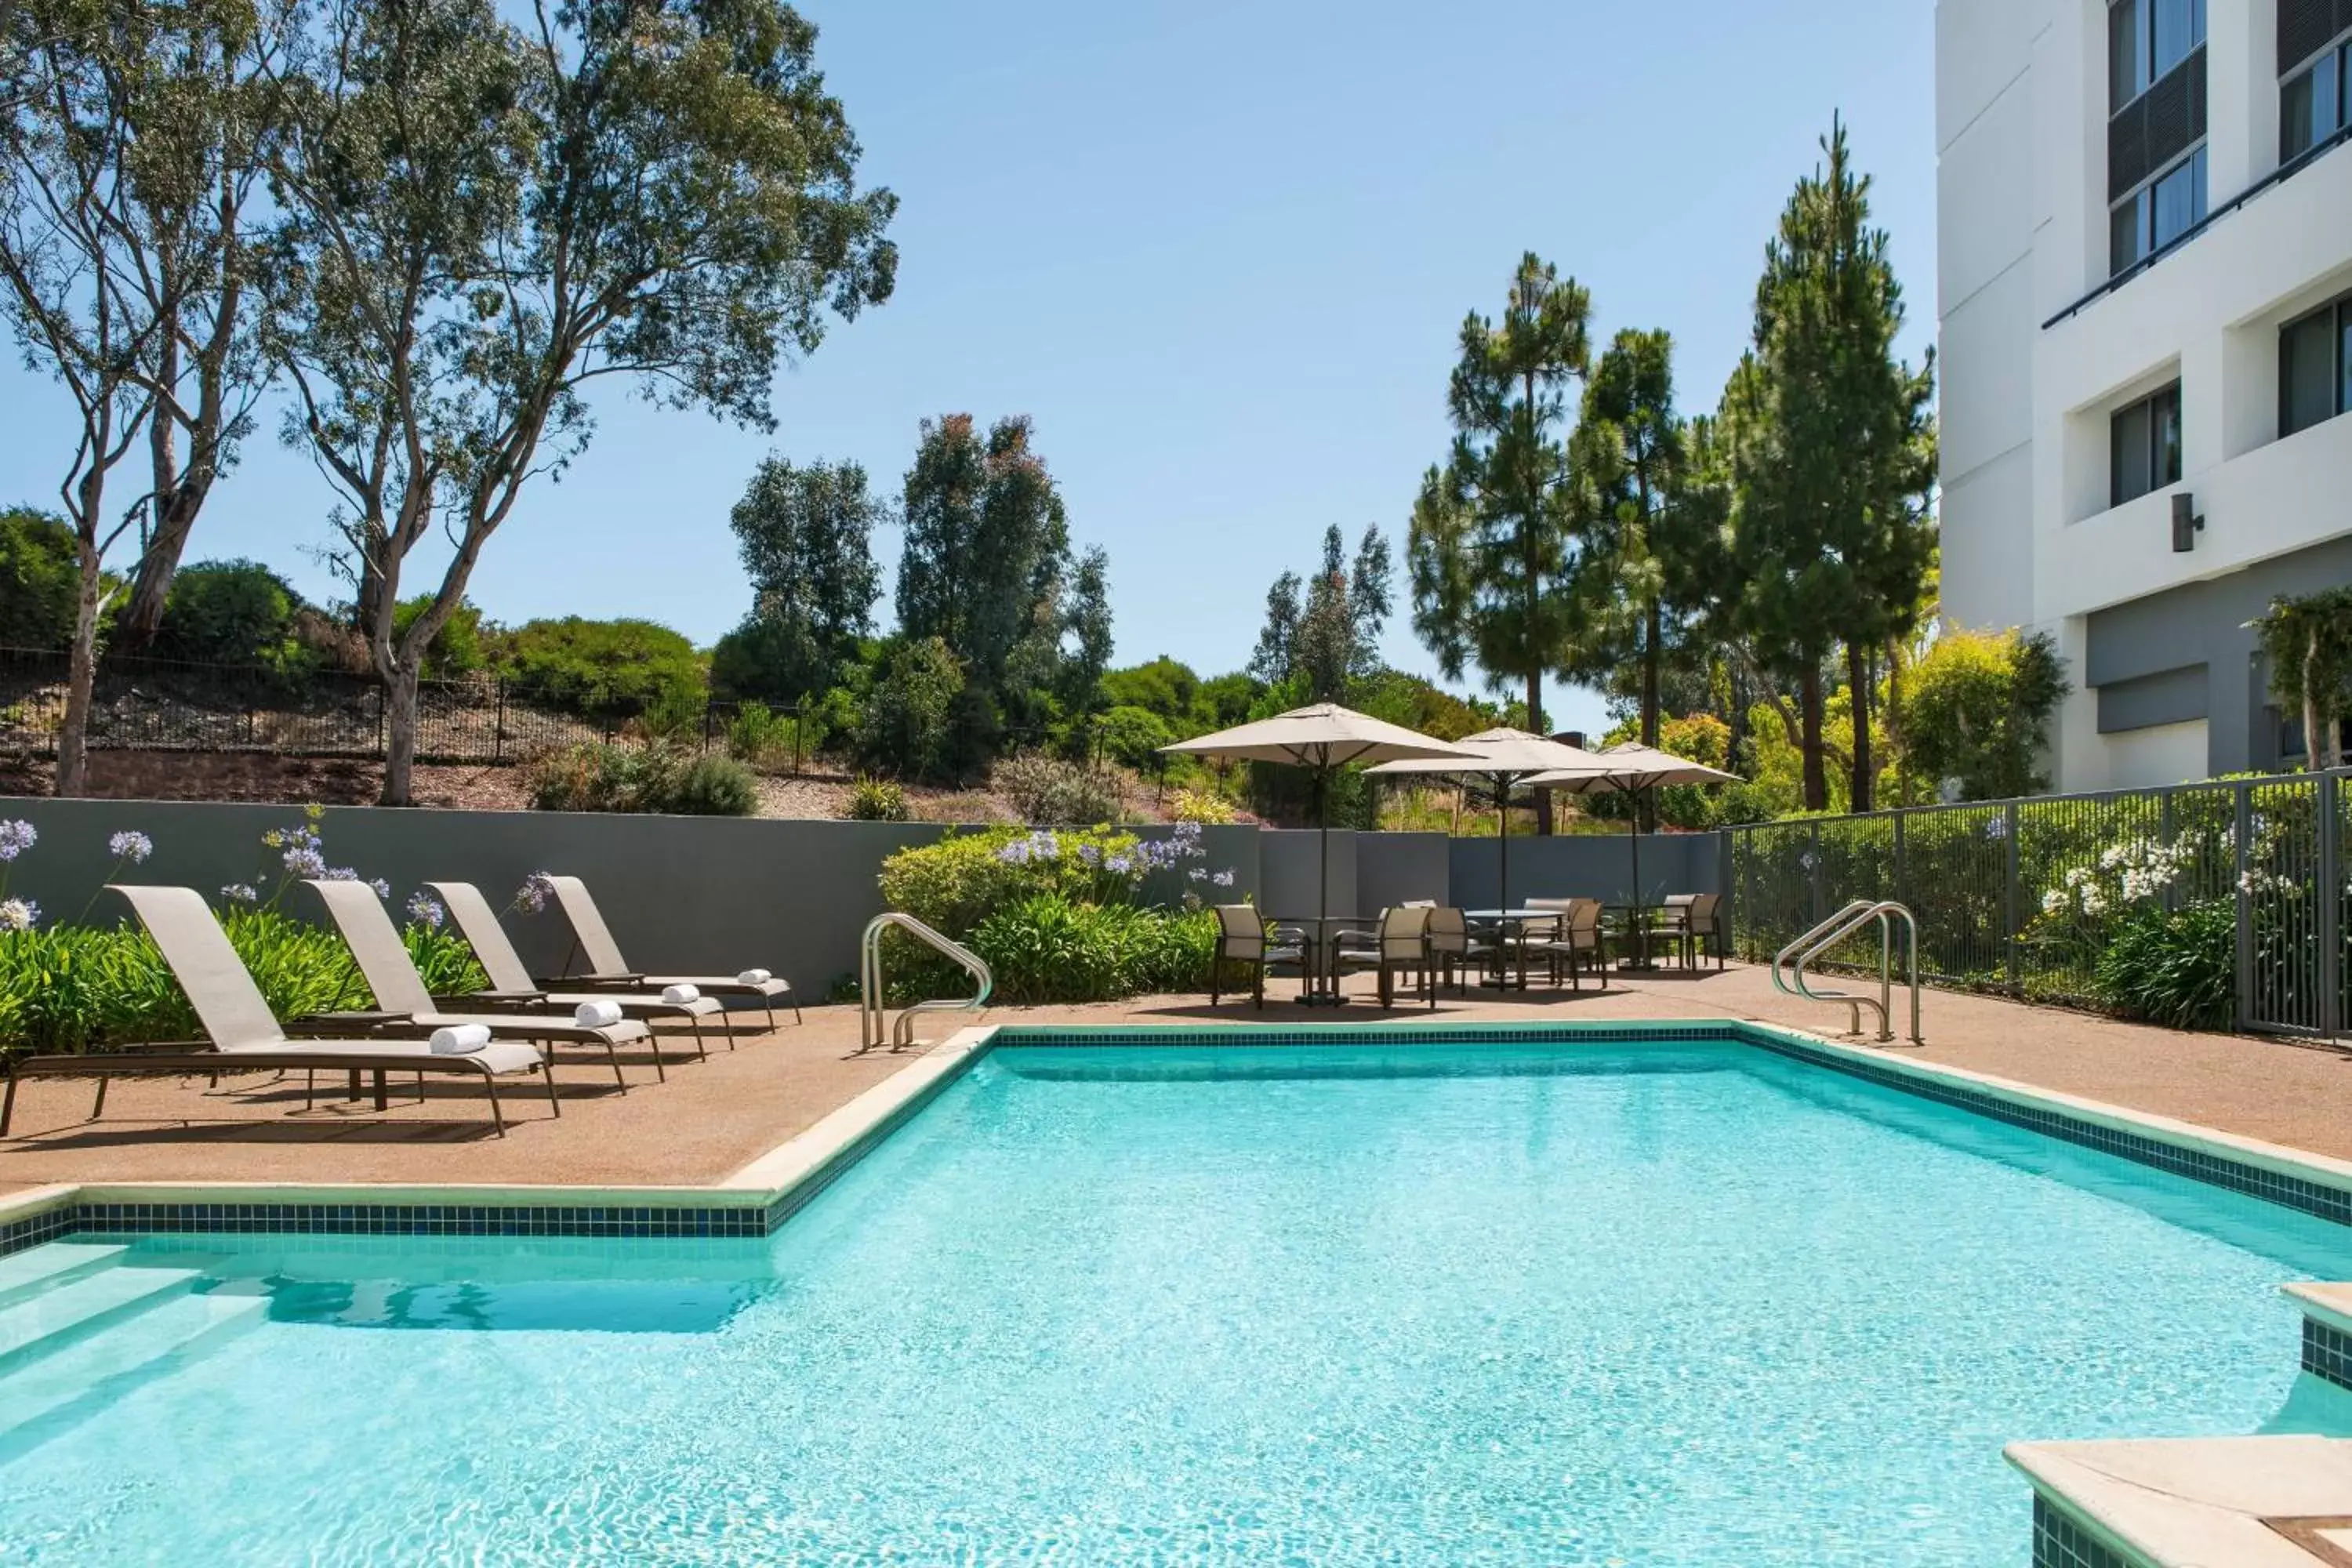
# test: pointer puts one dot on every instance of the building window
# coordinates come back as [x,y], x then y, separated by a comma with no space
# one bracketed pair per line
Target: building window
[2158,213]
[2145,39]
[2143,440]
[2312,105]
[2315,367]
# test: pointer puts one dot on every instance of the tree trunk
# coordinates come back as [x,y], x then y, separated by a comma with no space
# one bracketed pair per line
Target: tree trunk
[2315,739]
[1809,698]
[1857,676]
[399,734]
[73,734]
[1536,723]
[143,616]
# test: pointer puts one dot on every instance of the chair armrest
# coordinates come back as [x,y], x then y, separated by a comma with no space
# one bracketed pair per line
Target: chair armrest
[588,982]
[328,1025]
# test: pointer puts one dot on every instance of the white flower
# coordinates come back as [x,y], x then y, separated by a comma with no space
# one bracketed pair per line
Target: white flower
[19,914]
[131,845]
[2053,903]
[240,893]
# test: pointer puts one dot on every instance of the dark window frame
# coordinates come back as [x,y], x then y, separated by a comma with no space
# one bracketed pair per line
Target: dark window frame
[2164,467]
[2145,70]
[2141,200]
[2337,313]
[2335,56]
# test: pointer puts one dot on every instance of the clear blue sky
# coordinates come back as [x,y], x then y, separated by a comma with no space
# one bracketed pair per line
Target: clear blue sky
[1220,252]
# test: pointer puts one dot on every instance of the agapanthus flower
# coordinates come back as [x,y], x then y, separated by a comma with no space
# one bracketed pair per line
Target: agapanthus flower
[1089,855]
[536,889]
[382,889]
[425,909]
[1997,828]
[16,837]
[1198,874]
[19,914]
[1222,879]
[240,893]
[1015,853]
[131,845]
[1121,864]
[305,861]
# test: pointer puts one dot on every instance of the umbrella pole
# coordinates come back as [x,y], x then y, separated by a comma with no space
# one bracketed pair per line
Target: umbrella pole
[1641,915]
[1503,841]
[1323,882]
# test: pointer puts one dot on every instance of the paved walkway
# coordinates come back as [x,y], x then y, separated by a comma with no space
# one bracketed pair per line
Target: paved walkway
[711,1118]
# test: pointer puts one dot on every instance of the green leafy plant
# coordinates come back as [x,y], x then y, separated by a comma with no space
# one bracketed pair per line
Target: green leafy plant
[877,800]
[227,612]
[1202,805]
[1047,949]
[2177,968]
[714,786]
[597,775]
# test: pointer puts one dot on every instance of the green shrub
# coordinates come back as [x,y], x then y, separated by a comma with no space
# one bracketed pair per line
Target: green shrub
[461,647]
[39,579]
[227,612]
[609,670]
[1046,949]
[73,988]
[877,800]
[758,735]
[2179,969]
[1051,792]
[909,725]
[714,785]
[1202,805]
[600,775]
[1133,736]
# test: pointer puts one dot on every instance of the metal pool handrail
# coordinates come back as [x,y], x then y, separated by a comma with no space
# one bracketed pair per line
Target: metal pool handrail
[1860,912]
[871,992]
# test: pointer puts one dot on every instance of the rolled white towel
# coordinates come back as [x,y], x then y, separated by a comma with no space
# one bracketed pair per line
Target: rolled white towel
[679,995]
[754,977]
[596,1015]
[460,1040]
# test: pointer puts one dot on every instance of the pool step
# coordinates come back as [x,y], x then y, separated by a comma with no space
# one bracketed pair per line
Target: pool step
[37,1268]
[41,1325]
[60,1391]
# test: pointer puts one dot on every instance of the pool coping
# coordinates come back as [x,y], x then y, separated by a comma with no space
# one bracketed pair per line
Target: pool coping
[766,1191]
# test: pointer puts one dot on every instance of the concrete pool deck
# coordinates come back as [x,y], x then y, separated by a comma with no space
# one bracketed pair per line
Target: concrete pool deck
[713,1119]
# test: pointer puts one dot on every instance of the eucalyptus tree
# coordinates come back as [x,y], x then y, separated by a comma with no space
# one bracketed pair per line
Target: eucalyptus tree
[1493,549]
[805,535]
[486,221]
[1324,630]
[1832,539]
[131,148]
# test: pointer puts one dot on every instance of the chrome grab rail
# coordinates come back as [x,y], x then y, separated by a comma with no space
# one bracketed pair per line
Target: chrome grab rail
[1856,915]
[871,993]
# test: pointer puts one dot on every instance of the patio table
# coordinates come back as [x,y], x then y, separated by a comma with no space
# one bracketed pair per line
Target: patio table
[1503,922]
[1633,921]
[1322,989]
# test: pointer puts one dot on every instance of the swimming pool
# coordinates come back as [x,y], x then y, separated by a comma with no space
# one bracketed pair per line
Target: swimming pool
[1589,1303]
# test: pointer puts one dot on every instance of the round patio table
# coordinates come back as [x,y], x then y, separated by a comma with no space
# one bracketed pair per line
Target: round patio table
[1633,921]
[1502,922]
[1322,989]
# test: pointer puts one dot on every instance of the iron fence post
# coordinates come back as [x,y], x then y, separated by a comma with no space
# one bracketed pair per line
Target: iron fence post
[2012,925]
[1896,889]
[2242,838]
[2164,828]
[1813,871]
[499,724]
[2330,900]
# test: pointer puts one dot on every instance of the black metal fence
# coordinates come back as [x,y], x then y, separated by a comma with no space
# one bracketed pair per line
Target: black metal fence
[2023,896]
[140,703]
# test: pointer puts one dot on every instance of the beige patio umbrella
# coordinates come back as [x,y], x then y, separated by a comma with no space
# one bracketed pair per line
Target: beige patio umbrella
[1509,757]
[1322,739]
[1630,769]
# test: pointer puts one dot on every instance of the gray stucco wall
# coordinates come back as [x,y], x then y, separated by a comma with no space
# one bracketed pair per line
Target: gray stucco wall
[716,894]
[2186,653]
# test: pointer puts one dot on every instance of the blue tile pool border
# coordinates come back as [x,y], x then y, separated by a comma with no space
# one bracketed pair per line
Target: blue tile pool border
[2061,1541]
[73,1216]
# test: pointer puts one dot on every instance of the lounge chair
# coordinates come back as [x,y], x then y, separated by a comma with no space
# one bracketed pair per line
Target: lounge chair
[607,970]
[243,1036]
[406,1003]
[512,985]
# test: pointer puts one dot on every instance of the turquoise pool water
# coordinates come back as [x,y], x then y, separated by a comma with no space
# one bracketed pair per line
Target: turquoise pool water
[1585,1305]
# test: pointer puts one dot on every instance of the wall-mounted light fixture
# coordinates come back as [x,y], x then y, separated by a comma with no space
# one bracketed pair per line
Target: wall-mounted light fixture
[2186,523]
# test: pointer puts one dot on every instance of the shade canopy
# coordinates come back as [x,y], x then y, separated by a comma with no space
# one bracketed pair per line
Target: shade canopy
[1323,737]
[1631,766]
[1498,753]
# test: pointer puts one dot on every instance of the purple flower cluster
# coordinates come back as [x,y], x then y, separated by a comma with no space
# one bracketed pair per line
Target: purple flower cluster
[16,837]
[536,889]
[130,846]
[240,893]
[1041,845]
[426,910]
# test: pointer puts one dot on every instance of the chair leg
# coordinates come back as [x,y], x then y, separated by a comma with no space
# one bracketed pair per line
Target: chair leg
[547,1069]
[8,1105]
[98,1105]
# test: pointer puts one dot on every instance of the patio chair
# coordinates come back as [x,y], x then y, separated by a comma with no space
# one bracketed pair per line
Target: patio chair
[607,970]
[1694,919]
[243,1035]
[511,984]
[1401,945]
[1452,950]
[1245,936]
[1575,941]
[406,1003]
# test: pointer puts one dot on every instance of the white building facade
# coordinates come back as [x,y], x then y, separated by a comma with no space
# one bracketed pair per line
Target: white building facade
[2145,309]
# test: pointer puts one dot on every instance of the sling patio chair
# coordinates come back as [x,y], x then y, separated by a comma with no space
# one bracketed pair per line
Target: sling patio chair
[1400,946]
[243,1035]
[512,985]
[1453,953]
[607,970]
[1692,920]
[406,1003]
[1573,941]
[1245,936]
